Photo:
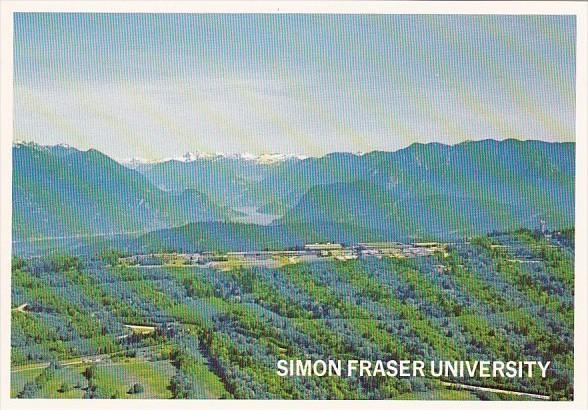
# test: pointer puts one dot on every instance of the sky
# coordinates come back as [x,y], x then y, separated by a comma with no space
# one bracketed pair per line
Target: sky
[159,85]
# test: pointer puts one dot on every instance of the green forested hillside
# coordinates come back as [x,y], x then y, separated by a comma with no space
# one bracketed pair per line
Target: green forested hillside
[64,192]
[219,333]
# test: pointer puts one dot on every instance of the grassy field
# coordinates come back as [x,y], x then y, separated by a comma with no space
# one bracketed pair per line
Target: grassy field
[207,384]
[18,380]
[115,377]
[119,377]
[440,394]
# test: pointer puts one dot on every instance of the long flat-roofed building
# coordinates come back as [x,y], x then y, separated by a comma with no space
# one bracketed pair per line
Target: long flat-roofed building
[323,246]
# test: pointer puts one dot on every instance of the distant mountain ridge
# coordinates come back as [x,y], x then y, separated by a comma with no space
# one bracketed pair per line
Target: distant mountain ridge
[60,191]
[424,190]
[438,190]
[190,156]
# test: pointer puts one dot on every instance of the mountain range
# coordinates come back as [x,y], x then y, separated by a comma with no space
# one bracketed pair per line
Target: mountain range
[422,191]
[61,191]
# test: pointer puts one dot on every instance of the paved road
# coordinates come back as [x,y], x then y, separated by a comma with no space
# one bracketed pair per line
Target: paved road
[492,390]
[70,362]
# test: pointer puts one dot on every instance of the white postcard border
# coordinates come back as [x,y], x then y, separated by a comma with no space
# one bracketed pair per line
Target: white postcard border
[579,9]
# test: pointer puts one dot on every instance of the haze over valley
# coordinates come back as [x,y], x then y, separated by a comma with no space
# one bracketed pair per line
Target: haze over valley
[431,191]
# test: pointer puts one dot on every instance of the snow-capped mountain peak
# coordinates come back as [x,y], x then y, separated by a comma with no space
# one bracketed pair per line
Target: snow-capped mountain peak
[29,144]
[190,156]
[55,148]
[264,159]
[274,158]
[193,156]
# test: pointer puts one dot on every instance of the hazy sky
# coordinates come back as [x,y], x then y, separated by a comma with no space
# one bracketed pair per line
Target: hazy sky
[158,85]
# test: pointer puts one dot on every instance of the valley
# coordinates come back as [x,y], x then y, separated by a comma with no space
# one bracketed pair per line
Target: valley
[422,192]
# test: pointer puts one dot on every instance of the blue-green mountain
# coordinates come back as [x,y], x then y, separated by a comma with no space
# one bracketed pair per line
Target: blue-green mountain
[430,191]
[446,191]
[61,191]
